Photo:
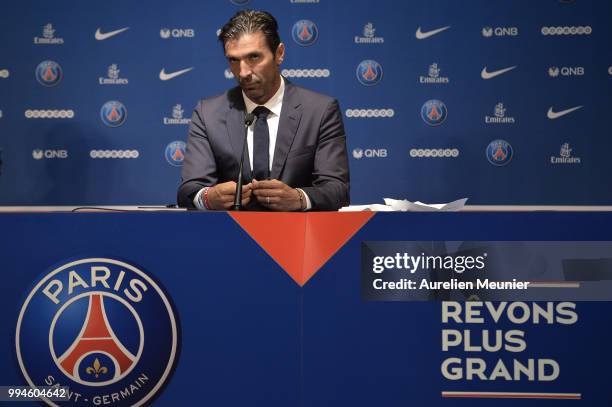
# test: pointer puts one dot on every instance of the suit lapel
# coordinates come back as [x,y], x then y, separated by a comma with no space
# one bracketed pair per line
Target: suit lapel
[291,113]
[235,130]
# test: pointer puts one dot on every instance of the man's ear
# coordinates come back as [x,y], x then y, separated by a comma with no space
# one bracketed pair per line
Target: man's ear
[280,54]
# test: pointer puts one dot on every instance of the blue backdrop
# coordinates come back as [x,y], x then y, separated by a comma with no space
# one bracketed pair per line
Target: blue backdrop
[426,90]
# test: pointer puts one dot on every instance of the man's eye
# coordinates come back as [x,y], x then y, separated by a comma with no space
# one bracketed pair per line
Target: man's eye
[254,57]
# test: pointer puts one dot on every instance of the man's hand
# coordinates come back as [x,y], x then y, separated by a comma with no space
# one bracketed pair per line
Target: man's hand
[276,195]
[221,196]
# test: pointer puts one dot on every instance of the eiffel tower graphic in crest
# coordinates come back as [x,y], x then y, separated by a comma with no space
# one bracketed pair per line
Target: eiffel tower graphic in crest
[96,336]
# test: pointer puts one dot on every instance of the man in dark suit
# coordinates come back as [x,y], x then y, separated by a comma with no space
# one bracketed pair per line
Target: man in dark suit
[297,157]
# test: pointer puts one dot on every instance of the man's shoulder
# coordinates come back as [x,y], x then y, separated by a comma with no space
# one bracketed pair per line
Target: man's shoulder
[309,96]
[222,100]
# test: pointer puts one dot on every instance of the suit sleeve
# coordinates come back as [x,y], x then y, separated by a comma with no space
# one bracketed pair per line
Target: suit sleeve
[330,186]
[199,166]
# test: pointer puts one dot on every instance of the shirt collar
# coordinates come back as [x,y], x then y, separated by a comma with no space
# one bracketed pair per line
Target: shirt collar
[274,104]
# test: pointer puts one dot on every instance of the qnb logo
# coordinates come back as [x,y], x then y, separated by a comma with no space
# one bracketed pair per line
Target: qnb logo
[369,113]
[369,72]
[239,2]
[166,33]
[113,113]
[102,327]
[114,154]
[303,1]
[434,152]
[228,74]
[306,73]
[175,153]
[49,114]
[48,73]
[565,30]
[304,32]
[555,71]
[489,32]
[4,73]
[610,70]
[40,154]
[359,153]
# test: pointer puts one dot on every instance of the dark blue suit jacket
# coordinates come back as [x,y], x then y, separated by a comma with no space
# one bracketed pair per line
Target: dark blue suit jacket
[310,151]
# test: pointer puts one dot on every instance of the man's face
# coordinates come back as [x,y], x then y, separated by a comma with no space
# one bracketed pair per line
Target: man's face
[255,67]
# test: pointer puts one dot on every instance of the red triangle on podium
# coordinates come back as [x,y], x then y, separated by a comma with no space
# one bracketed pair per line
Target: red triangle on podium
[301,243]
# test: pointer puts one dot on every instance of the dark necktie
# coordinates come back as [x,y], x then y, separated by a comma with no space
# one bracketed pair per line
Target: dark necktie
[261,144]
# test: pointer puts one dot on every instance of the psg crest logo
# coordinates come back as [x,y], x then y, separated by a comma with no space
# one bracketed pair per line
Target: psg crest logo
[304,32]
[113,113]
[175,153]
[369,72]
[499,152]
[434,112]
[101,327]
[48,73]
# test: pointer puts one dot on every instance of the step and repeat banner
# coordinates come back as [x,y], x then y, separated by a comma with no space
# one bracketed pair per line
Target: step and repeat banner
[502,102]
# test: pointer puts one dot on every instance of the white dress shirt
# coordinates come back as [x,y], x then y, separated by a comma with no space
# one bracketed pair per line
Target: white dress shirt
[274,105]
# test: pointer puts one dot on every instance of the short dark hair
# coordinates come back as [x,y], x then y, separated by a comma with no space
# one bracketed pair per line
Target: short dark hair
[248,22]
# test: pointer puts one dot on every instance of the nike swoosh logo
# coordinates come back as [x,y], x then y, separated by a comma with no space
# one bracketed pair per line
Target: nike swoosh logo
[167,76]
[488,75]
[422,35]
[555,115]
[100,36]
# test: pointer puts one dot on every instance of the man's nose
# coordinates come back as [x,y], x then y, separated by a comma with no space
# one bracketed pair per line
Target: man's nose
[245,70]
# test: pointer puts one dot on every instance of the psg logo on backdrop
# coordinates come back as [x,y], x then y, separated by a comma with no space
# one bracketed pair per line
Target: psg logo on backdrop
[499,152]
[304,32]
[48,73]
[102,327]
[175,153]
[434,112]
[369,72]
[113,113]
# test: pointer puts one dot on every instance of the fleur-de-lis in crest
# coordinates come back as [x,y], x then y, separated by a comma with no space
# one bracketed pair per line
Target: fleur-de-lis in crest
[96,369]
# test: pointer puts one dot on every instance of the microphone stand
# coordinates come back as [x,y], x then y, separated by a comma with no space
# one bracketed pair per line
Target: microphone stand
[248,120]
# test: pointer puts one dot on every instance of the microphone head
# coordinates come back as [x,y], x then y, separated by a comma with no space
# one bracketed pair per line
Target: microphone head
[249,118]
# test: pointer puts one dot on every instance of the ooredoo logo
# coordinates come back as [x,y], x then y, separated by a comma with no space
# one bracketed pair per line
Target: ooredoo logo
[102,327]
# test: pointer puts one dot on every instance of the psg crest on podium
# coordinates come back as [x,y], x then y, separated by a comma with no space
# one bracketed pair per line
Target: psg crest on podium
[101,327]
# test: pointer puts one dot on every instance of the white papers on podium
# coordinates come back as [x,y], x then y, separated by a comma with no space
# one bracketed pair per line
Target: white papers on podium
[372,207]
[417,206]
[395,205]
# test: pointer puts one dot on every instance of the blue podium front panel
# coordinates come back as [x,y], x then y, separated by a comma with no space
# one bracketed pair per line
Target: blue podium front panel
[247,334]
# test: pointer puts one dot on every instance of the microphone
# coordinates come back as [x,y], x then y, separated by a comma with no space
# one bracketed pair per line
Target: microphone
[249,118]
